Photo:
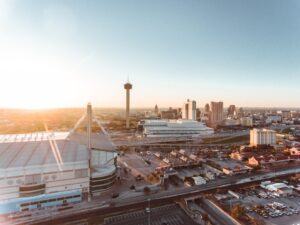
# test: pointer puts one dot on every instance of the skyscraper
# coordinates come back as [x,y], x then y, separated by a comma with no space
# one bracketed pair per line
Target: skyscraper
[156,111]
[216,116]
[189,110]
[240,112]
[127,87]
[206,108]
[231,110]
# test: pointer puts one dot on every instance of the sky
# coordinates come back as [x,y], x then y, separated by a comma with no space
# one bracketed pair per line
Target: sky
[66,53]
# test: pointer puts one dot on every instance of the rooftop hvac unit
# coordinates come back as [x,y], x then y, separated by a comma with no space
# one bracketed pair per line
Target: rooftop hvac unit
[10,182]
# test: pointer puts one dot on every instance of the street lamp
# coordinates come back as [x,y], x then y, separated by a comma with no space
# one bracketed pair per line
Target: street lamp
[149,211]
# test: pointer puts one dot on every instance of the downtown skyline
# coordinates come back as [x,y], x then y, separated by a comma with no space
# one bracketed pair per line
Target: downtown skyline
[65,54]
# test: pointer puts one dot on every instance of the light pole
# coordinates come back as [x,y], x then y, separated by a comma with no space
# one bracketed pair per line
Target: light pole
[149,211]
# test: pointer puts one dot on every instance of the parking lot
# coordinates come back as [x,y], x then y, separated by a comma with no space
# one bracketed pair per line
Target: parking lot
[168,214]
[269,207]
[277,211]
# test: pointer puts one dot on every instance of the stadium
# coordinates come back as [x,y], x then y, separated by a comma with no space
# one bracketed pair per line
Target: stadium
[54,168]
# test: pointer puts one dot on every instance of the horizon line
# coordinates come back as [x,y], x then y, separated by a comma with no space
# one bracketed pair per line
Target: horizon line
[143,107]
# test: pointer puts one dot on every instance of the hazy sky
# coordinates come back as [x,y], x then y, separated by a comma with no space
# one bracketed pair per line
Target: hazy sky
[68,52]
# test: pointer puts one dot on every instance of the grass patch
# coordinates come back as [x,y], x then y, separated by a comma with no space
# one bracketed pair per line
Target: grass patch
[227,140]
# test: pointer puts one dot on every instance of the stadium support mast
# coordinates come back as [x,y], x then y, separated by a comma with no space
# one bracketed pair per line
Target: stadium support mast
[89,133]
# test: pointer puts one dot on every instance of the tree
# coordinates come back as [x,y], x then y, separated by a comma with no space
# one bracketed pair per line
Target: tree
[205,217]
[256,168]
[151,177]
[255,221]
[238,211]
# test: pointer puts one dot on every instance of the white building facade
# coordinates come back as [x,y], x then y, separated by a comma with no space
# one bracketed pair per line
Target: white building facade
[175,128]
[42,163]
[262,137]
[246,121]
[189,110]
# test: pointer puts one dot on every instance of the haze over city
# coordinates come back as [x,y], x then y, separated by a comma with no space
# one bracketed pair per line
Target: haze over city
[67,53]
[157,112]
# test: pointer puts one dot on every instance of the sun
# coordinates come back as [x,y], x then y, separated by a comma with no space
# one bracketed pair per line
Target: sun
[34,80]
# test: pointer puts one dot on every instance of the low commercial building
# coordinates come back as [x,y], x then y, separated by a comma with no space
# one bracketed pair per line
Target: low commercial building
[229,167]
[174,153]
[182,152]
[260,160]
[280,189]
[210,169]
[295,151]
[273,119]
[246,121]
[193,157]
[210,175]
[199,180]
[236,155]
[231,122]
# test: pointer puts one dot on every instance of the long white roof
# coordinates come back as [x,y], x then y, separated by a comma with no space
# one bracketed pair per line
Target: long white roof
[36,149]
[25,150]
[38,136]
[276,186]
[174,124]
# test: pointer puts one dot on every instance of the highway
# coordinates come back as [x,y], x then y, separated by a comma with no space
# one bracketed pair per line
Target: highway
[94,208]
[217,213]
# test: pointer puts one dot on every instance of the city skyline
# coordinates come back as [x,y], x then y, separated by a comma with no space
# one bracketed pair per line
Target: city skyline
[60,54]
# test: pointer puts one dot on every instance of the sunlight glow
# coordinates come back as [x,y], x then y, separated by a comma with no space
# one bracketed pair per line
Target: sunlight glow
[33,79]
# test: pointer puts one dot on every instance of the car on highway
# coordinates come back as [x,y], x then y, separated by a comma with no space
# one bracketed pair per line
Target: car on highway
[115,195]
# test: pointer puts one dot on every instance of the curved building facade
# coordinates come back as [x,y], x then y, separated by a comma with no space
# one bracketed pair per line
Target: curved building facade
[45,163]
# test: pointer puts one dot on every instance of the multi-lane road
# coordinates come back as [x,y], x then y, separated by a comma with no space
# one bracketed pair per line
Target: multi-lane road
[95,208]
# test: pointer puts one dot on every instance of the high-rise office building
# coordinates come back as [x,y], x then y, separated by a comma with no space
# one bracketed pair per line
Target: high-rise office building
[206,108]
[216,115]
[156,111]
[231,110]
[240,112]
[198,114]
[189,110]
